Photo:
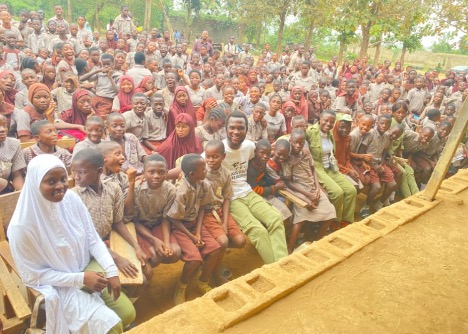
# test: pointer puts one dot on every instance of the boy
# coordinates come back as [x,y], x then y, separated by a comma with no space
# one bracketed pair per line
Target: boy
[432,118]
[257,125]
[131,147]
[46,140]
[28,77]
[135,120]
[37,39]
[94,129]
[218,221]
[153,198]
[187,214]
[380,172]
[12,55]
[359,137]
[416,97]
[106,85]
[104,201]
[350,98]
[157,123]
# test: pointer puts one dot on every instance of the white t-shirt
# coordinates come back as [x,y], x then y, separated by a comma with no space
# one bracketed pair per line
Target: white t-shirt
[237,162]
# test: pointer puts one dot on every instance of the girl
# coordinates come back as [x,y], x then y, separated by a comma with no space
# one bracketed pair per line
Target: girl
[146,86]
[123,101]
[7,84]
[228,98]
[213,128]
[74,119]
[276,123]
[67,64]
[42,107]
[247,103]
[46,214]
[300,176]
[313,107]
[49,75]
[289,111]
[181,104]
[205,109]
[300,103]
[181,141]
[196,93]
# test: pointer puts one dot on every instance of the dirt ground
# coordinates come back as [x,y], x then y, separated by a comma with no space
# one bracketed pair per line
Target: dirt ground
[414,280]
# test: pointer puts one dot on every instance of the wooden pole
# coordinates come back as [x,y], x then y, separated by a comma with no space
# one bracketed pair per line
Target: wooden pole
[445,160]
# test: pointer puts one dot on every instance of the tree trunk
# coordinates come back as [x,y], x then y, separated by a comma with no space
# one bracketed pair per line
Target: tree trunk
[310,33]
[377,49]
[341,53]
[280,32]
[69,11]
[188,21]
[365,40]
[167,19]
[259,36]
[402,57]
[97,24]
[147,19]
[241,34]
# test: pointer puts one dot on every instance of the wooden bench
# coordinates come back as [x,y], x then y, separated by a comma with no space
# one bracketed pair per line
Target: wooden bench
[65,142]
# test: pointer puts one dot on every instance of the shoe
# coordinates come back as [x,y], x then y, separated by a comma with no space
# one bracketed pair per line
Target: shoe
[343,224]
[334,226]
[202,287]
[226,272]
[179,293]
[365,212]
[377,206]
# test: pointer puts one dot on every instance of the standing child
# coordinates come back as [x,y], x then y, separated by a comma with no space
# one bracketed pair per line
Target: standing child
[46,140]
[218,221]
[186,214]
[106,86]
[153,198]
[131,148]
[300,176]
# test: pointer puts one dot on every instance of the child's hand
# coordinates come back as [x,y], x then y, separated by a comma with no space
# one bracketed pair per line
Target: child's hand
[280,185]
[367,157]
[180,72]
[94,281]
[168,251]
[264,123]
[159,247]
[141,255]
[113,287]
[379,169]
[131,173]
[50,111]
[354,175]
[198,241]
[126,267]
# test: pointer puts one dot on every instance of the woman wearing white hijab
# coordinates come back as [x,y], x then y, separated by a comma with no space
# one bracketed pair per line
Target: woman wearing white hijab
[52,239]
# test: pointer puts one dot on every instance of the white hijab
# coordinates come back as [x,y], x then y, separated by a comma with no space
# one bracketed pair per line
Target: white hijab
[51,244]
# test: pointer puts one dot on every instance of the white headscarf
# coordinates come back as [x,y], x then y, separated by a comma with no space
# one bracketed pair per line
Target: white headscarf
[51,244]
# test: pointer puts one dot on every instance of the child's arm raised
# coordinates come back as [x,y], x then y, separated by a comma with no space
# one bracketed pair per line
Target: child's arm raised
[130,200]
[88,76]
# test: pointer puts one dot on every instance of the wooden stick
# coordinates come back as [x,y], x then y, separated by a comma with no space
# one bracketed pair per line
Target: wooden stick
[440,170]
[17,301]
[293,198]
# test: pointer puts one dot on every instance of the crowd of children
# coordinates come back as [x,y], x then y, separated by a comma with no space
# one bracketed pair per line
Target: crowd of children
[197,148]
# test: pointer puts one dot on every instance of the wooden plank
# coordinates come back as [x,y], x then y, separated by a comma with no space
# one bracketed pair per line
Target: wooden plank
[66,143]
[5,253]
[17,301]
[293,198]
[26,144]
[7,207]
[124,249]
[440,170]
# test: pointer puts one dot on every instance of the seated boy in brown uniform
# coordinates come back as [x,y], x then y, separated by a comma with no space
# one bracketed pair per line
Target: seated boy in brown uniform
[197,245]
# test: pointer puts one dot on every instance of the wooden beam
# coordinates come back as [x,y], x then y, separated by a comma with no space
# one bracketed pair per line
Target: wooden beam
[440,170]
[17,301]
[293,198]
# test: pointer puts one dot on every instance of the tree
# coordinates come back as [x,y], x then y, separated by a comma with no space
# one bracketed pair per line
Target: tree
[192,7]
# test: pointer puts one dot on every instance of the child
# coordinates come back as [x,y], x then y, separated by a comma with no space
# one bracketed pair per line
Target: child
[432,119]
[105,203]
[360,138]
[94,129]
[135,120]
[46,140]
[187,214]
[383,101]
[106,86]
[12,55]
[28,77]
[153,198]
[300,176]
[416,97]
[131,148]
[213,128]
[63,95]
[217,220]
[380,172]
[257,126]
[156,122]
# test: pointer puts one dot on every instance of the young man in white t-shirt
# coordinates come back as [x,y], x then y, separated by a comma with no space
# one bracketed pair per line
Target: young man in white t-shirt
[260,221]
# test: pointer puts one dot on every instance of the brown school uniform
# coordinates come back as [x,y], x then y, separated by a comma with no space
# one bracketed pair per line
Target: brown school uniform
[299,170]
[188,201]
[377,147]
[34,150]
[360,166]
[133,153]
[121,179]
[105,209]
[151,207]
[11,158]
[136,125]
[220,182]
[255,131]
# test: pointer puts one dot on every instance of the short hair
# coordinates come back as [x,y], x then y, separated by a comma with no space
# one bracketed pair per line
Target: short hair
[351,82]
[167,62]
[276,95]
[156,95]
[215,143]
[385,116]
[36,127]
[263,143]
[107,56]
[91,155]
[237,114]
[329,112]
[297,132]
[113,116]
[445,123]
[433,113]
[93,48]
[139,58]
[195,71]
[428,129]
[189,161]
[105,146]
[27,70]
[399,127]
[262,105]
[94,119]
[298,118]
[400,104]
[155,157]
[136,95]
[80,65]
[28,63]
[283,143]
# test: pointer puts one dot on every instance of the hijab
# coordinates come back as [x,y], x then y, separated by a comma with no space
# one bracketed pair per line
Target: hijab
[125,99]
[50,240]
[10,95]
[8,108]
[74,115]
[249,82]
[141,87]
[288,119]
[175,147]
[31,110]
[246,81]
[302,108]
[176,109]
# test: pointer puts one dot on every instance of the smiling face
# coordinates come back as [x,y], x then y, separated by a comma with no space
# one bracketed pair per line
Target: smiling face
[213,157]
[54,185]
[47,135]
[236,131]
[327,121]
[126,86]
[139,105]
[344,128]
[155,173]
[114,159]
[116,128]
[94,132]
